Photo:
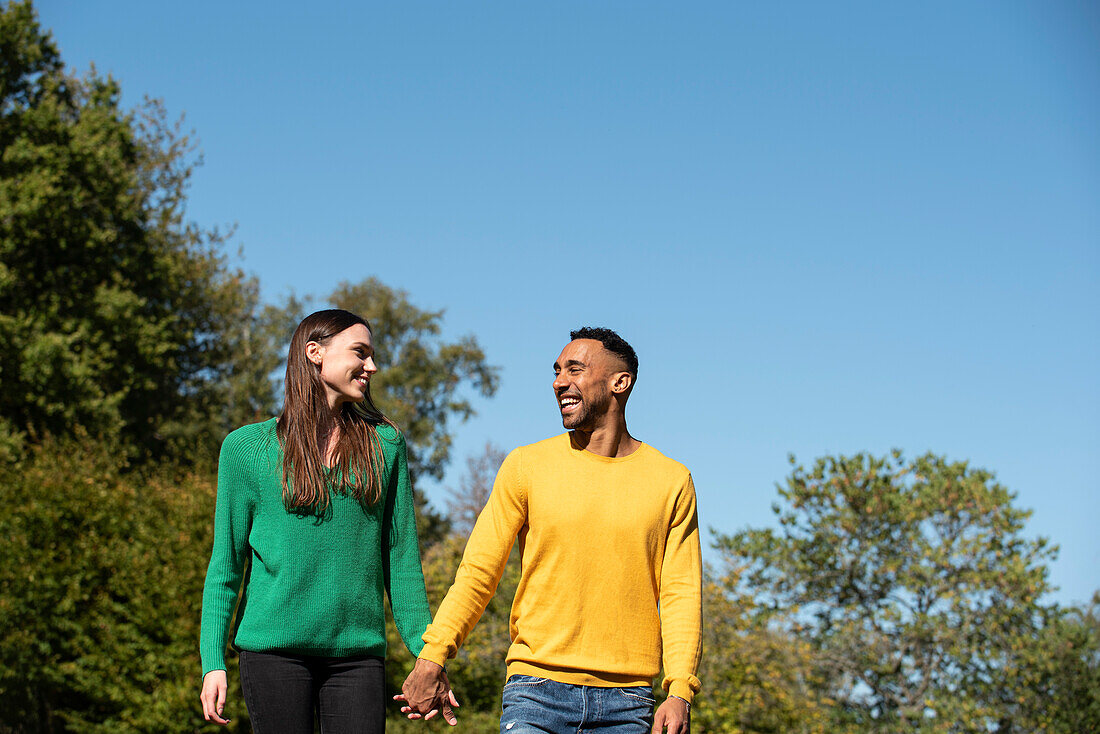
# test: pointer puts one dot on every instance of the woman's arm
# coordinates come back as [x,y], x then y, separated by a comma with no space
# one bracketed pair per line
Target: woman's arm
[404,575]
[229,555]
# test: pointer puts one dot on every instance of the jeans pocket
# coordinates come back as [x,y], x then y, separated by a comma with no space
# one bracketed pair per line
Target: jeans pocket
[524,680]
[638,694]
[522,698]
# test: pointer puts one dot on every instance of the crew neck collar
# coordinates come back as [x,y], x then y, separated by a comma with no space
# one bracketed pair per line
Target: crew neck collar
[590,456]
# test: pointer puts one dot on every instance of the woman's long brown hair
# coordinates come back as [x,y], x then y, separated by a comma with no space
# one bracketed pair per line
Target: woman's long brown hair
[306,423]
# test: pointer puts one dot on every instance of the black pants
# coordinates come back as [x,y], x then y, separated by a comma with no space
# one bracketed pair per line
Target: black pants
[282,693]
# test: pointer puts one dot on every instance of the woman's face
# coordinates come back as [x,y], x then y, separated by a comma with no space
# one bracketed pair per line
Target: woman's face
[346,364]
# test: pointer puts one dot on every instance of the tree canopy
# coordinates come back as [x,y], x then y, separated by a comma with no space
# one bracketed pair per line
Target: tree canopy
[912,581]
[116,314]
[101,576]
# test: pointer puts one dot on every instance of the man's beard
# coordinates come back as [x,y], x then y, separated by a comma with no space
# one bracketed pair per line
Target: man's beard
[585,418]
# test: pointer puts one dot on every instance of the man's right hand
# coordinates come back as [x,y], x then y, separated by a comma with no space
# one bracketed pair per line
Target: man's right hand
[427,692]
[213,696]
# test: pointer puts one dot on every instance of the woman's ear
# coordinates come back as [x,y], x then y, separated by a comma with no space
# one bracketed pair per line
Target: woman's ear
[314,352]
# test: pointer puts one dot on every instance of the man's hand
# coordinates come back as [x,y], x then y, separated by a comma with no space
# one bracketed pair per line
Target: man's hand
[213,696]
[674,714]
[426,692]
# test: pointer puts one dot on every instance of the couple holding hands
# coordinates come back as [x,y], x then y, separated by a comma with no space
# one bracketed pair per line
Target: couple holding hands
[314,524]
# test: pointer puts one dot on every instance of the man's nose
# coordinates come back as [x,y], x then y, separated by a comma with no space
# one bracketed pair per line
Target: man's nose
[559,381]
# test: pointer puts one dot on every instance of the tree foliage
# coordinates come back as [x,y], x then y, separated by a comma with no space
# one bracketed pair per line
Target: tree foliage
[758,677]
[1058,677]
[912,581]
[101,574]
[116,313]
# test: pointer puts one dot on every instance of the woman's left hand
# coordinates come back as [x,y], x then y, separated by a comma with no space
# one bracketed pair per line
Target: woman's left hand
[213,696]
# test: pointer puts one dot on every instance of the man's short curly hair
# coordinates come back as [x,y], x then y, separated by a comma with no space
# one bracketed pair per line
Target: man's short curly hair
[612,342]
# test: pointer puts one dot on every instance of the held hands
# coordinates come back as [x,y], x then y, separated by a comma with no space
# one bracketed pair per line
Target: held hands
[675,714]
[426,692]
[213,696]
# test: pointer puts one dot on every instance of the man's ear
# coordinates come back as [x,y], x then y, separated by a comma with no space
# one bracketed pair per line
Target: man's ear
[314,352]
[622,382]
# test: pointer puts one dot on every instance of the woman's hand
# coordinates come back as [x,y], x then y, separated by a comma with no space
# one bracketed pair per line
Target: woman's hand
[213,696]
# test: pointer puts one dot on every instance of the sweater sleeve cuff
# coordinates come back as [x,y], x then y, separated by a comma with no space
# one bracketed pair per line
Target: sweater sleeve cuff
[685,688]
[434,654]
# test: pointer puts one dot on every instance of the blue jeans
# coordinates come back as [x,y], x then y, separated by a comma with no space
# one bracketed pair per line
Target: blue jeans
[541,706]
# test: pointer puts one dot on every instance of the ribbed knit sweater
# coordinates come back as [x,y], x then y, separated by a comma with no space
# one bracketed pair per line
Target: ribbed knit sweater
[610,585]
[311,585]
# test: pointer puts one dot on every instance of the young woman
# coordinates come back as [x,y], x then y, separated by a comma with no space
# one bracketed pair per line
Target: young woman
[315,518]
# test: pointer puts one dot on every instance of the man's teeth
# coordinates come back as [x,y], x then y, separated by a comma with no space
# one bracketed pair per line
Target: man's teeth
[569,402]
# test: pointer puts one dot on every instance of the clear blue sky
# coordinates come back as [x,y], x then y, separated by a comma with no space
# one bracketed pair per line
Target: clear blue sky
[826,227]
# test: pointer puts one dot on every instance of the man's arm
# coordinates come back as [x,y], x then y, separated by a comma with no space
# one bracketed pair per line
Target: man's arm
[479,573]
[681,603]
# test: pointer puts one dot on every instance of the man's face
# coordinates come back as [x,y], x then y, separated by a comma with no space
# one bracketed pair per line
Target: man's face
[583,376]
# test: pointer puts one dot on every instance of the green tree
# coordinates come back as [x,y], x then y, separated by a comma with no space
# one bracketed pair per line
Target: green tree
[758,678]
[101,573]
[913,583]
[116,313]
[1059,676]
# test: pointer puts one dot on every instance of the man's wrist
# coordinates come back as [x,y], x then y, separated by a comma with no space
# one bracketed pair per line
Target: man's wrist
[433,654]
[684,688]
[681,698]
[429,665]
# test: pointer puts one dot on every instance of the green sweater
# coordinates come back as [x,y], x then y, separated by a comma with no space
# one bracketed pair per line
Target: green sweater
[312,585]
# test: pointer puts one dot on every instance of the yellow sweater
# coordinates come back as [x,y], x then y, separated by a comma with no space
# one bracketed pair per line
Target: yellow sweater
[611,570]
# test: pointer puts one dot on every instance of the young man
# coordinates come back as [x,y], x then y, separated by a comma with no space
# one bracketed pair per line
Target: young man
[611,572]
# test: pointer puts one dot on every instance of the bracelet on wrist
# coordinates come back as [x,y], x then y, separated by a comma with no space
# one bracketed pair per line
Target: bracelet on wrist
[686,702]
